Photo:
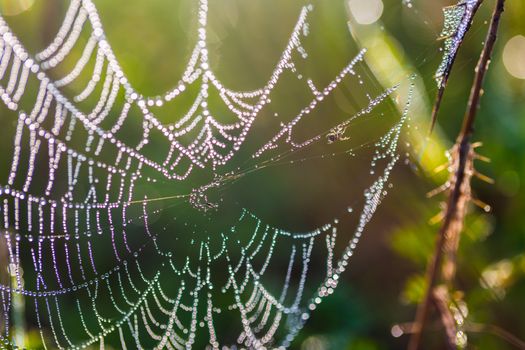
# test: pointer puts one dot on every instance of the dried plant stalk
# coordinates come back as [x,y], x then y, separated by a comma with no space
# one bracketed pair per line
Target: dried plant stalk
[460,191]
[442,301]
[464,198]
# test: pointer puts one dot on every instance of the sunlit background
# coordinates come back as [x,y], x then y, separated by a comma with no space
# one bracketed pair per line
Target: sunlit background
[153,40]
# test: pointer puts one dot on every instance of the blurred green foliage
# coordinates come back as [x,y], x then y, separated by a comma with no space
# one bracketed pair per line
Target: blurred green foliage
[385,280]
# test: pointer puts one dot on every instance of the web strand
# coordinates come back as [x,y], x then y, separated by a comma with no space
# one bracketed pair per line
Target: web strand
[71,196]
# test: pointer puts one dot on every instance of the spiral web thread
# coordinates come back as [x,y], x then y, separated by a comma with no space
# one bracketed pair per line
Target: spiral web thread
[54,230]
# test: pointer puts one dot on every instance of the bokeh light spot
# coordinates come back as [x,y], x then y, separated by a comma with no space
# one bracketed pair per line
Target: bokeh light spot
[15,7]
[514,56]
[314,343]
[366,11]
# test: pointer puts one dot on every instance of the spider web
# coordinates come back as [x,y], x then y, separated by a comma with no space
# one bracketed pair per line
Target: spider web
[87,229]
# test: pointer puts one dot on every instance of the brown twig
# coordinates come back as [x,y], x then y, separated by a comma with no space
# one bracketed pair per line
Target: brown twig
[496,331]
[408,328]
[464,148]
[441,302]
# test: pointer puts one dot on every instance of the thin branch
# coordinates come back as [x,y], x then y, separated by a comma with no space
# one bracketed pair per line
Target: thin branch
[464,148]
[458,41]
[409,328]
[437,105]
[481,69]
[496,331]
[441,301]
